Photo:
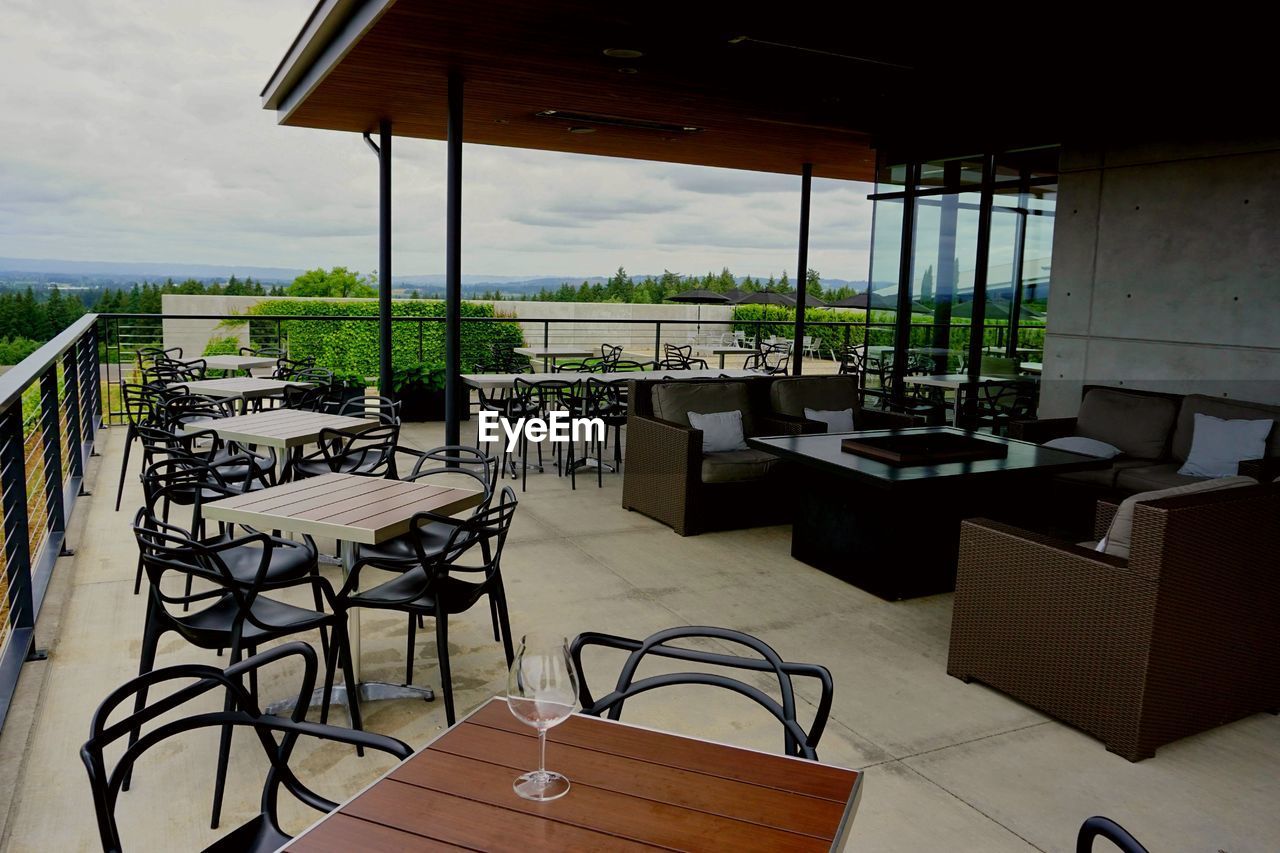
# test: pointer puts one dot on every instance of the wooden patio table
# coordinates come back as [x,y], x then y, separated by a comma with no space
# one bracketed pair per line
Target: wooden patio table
[633,788]
[353,510]
[549,352]
[280,429]
[249,387]
[237,362]
[498,381]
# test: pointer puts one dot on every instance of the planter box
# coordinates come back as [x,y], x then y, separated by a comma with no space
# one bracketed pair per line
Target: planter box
[419,404]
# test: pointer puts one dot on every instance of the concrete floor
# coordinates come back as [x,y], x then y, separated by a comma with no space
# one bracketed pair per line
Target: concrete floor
[949,766]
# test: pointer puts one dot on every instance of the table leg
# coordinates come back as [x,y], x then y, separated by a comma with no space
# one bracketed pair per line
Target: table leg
[722,361]
[370,691]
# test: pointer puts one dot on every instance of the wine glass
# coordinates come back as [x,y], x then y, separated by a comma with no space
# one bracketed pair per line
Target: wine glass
[542,689]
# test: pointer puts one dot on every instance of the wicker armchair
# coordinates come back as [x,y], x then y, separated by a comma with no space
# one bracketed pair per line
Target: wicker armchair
[1177,640]
[665,478]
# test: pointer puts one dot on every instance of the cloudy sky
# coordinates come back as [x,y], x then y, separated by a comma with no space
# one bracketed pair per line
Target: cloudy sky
[132,131]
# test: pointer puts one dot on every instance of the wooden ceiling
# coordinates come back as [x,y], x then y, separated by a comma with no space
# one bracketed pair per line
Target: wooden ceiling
[770,86]
[770,102]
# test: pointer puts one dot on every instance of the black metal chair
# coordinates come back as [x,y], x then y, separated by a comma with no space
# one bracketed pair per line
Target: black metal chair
[372,406]
[145,356]
[606,400]
[185,689]
[142,405]
[680,358]
[287,368]
[798,741]
[772,360]
[433,587]
[1000,401]
[369,453]
[546,397]
[235,612]
[1104,827]
[308,398]
[165,374]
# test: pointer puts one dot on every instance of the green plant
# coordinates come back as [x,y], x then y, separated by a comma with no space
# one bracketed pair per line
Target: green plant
[352,345]
[350,379]
[426,375]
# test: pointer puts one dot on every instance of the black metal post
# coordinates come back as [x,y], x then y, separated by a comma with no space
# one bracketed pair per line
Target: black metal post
[384,256]
[71,370]
[978,325]
[1019,250]
[902,338]
[453,266]
[51,442]
[17,546]
[802,268]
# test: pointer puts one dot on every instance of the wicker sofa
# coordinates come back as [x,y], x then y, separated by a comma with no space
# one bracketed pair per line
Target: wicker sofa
[1154,433]
[668,478]
[1178,639]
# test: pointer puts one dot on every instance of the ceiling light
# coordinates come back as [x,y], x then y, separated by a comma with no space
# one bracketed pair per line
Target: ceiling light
[623,53]
[578,119]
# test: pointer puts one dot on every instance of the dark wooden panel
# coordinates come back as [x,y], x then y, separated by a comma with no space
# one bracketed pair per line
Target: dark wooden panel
[344,834]
[687,789]
[776,771]
[597,809]
[471,823]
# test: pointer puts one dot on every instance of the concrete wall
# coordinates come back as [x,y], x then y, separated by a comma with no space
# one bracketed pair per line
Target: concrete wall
[578,323]
[1166,271]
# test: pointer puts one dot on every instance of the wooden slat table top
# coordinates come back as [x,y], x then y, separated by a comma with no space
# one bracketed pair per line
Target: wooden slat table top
[348,507]
[494,381]
[950,380]
[249,387]
[633,788]
[279,428]
[237,362]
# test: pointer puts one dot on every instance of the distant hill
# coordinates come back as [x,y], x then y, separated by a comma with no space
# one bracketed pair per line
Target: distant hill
[48,271]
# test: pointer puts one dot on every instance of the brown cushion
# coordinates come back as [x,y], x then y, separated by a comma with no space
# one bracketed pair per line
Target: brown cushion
[824,393]
[1148,477]
[672,401]
[1120,534]
[1138,424]
[736,466]
[1228,410]
[1106,477]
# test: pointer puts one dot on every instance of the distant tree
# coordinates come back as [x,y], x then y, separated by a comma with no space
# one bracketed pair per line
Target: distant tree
[926,285]
[338,281]
[813,283]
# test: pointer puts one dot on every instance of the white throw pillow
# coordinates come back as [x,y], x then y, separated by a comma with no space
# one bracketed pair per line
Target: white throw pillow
[836,420]
[721,431]
[1218,446]
[1119,536]
[1087,446]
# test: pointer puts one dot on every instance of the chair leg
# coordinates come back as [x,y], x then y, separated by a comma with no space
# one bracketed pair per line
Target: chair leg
[137,579]
[318,597]
[349,679]
[493,616]
[224,747]
[124,463]
[330,668]
[146,662]
[442,654]
[408,654]
[498,597]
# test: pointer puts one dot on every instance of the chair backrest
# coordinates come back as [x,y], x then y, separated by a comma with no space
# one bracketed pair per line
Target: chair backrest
[549,394]
[798,741]
[287,367]
[488,525]
[142,403]
[162,374]
[369,453]
[459,459]
[1104,827]
[676,357]
[609,356]
[308,398]
[373,407]
[144,356]
[183,480]
[191,684]
[190,408]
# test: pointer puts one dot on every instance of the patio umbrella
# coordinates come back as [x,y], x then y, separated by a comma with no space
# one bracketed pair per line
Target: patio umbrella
[879,303]
[768,297]
[700,297]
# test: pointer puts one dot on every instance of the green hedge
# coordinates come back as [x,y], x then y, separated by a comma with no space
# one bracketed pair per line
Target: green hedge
[352,347]
[780,321]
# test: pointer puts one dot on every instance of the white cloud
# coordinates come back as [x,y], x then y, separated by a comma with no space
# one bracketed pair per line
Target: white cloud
[134,133]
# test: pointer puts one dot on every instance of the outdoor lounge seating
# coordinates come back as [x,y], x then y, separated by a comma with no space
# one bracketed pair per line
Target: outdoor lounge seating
[1153,433]
[669,478]
[791,396]
[1175,640]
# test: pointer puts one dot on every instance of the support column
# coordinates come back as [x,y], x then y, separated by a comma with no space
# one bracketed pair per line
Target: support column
[802,268]
[384,256]
[453,267]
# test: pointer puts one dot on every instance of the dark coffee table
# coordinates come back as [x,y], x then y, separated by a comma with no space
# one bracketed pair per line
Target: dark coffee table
[892,529]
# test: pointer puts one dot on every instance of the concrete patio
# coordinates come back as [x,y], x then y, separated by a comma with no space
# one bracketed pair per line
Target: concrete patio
[949,766]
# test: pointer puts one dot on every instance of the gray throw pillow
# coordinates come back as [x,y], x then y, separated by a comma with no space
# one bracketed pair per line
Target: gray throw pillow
[839,420]
[721,431]
[1219,446]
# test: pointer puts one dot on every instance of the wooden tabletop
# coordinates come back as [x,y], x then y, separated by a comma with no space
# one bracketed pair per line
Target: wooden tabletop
[494,381]
[348,507]
[249,387]
[237,362]
[951,380]
[552,351]
[279,428]
[632,789]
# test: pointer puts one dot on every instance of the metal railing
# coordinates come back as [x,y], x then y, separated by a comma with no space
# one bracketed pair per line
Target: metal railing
[50,406]
[643,338]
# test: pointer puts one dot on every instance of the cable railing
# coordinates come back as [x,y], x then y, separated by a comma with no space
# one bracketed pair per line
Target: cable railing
[421,337]
[49,415]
